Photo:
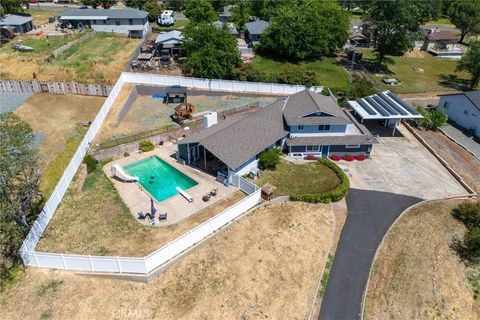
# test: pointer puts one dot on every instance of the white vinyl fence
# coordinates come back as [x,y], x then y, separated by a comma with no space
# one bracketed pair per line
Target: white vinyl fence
[174,248]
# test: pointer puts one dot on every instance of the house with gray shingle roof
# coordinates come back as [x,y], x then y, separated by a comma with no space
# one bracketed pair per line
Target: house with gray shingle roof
[21,24]
[463,108]
[129,21]
[304,123]
[255,29]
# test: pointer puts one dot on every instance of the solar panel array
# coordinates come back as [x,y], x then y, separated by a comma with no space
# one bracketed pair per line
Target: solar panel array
[386,104]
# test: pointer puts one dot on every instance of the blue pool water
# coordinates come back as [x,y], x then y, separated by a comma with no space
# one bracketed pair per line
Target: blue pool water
[159,178]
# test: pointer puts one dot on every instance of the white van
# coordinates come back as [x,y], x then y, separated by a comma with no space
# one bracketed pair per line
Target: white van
[166,18]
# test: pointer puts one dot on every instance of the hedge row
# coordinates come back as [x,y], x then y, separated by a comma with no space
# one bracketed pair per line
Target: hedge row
[334,195]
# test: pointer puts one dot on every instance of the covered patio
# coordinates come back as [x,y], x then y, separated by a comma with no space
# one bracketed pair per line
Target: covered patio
[384,108]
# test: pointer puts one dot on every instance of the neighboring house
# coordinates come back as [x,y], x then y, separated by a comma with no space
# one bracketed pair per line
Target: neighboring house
[255,29]
[129,21]
[443,44]
[359,40]
[463,109]
[172,40]
[230,26]
[20,24]
[305,123]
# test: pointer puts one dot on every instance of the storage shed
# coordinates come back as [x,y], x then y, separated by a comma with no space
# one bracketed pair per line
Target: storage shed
[21,24]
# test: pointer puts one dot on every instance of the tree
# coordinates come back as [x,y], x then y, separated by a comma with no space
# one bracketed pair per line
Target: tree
[360,88]
[433,119]
[12,6]
[217,4]
[107,4]
[471,241]
[176,5]
[311,28]
[470,62]
[393,25]
[200,11]
[465,15]
[92,3]
[270,159]
[265,9]
[138,4]
[211,52]
[19,182]
[241,13]
[154,10]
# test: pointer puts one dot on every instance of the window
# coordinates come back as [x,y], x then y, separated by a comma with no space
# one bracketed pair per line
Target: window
[130,21]
[327,127]
[104,21]
[351,146]
[445,105]
[300,127]
[324,127]
[313,148]
[117,23]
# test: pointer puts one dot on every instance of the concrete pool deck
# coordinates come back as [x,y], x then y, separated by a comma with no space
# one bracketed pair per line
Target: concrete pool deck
[177,207]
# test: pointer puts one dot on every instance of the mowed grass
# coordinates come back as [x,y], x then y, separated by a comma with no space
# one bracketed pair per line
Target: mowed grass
[328,71]
[93,219]
[179,25]
[298,179]
[43,46]
[438,74]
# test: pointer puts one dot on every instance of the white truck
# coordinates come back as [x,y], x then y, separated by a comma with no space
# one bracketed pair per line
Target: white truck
[167,18]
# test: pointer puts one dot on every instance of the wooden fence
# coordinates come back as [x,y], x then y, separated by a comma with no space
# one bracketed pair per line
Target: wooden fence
[55,87]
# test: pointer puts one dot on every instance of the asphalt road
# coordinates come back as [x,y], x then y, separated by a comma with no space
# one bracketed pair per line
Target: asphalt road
[370,214]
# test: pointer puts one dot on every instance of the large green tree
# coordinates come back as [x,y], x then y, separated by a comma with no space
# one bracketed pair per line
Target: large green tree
[211,52]
[19,182]
[465,15]
[154,9]
[470,62]
[311,28]
[200,11]
[241,13]
[138,4]
[393,25]
[12,6]
[265,9]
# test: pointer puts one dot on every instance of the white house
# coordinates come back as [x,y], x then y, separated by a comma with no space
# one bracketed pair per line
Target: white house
[129,21]
[462,108]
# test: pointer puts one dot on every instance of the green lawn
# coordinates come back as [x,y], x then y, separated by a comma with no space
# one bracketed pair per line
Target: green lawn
[443,19]
[299,179]
[420,72]
[328,71]
[43,46]
[179,25]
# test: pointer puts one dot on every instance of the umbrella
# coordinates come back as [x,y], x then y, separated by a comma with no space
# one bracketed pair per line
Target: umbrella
[152,208]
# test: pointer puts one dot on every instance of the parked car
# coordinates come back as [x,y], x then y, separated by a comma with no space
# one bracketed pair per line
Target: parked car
[22,48]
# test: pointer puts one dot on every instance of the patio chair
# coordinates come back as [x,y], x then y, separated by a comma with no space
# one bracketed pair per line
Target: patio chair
[213,193]
[141,215]
[162,216]
[206,198]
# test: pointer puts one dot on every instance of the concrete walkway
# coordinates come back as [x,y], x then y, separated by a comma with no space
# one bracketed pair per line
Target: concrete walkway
[370,214]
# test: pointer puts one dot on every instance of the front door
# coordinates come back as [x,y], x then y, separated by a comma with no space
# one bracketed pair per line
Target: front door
[196,153]
[325,150]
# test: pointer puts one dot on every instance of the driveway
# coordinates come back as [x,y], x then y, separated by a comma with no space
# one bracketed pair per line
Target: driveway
[401,173]
[370,214]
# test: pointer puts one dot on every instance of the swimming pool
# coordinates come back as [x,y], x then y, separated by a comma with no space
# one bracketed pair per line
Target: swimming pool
[159,178]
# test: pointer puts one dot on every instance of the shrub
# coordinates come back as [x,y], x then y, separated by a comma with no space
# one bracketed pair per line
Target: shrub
[126,154]
[433,119]
[270,159]
[333,195]
[360,157]
[310,157]
[91,163]
[471,242]
[146,146]
[348,157]
[335,157]
[468,213]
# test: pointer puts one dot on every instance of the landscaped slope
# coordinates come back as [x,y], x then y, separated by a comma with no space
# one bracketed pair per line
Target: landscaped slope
[416,274]
[266,265]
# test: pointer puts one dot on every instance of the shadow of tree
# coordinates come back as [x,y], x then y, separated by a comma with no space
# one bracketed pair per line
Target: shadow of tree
[453,81]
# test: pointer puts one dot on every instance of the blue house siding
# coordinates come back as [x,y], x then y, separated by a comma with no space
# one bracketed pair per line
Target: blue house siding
[335,128]
[334,149]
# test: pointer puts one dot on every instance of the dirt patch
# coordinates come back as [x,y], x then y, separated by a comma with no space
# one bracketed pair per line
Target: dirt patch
[55,118]
[264,266]
[416,274]
[463,162]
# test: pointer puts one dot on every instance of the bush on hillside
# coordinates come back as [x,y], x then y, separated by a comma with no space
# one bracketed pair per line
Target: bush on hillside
[270,159]
[146,145]
[91,163]
[468,213]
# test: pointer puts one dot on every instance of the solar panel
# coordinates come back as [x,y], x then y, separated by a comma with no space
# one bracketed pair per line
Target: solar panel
[392,104]
[377,107]
[366,107]
[402,103]
[385,105]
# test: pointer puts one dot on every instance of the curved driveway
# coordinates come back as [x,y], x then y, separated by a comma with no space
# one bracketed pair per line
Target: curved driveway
[370,214]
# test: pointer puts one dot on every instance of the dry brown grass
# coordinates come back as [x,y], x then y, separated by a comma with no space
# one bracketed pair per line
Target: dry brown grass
[264,266]
[416,274]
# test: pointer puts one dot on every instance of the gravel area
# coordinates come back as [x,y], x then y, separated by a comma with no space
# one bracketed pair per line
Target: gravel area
[459,137]
[10,101]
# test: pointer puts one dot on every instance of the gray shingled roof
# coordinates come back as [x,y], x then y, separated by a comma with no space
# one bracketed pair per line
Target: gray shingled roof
[175,35]
[305,102]
[256,27]
[127,13]
[236,142]
[474,97]
[14,20]
[230,27]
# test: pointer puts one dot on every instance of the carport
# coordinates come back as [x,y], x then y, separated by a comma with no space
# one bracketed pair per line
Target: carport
[383,106]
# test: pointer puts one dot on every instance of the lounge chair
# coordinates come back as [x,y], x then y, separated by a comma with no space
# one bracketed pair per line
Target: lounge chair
[162,216]
[206,198]
[213,193]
